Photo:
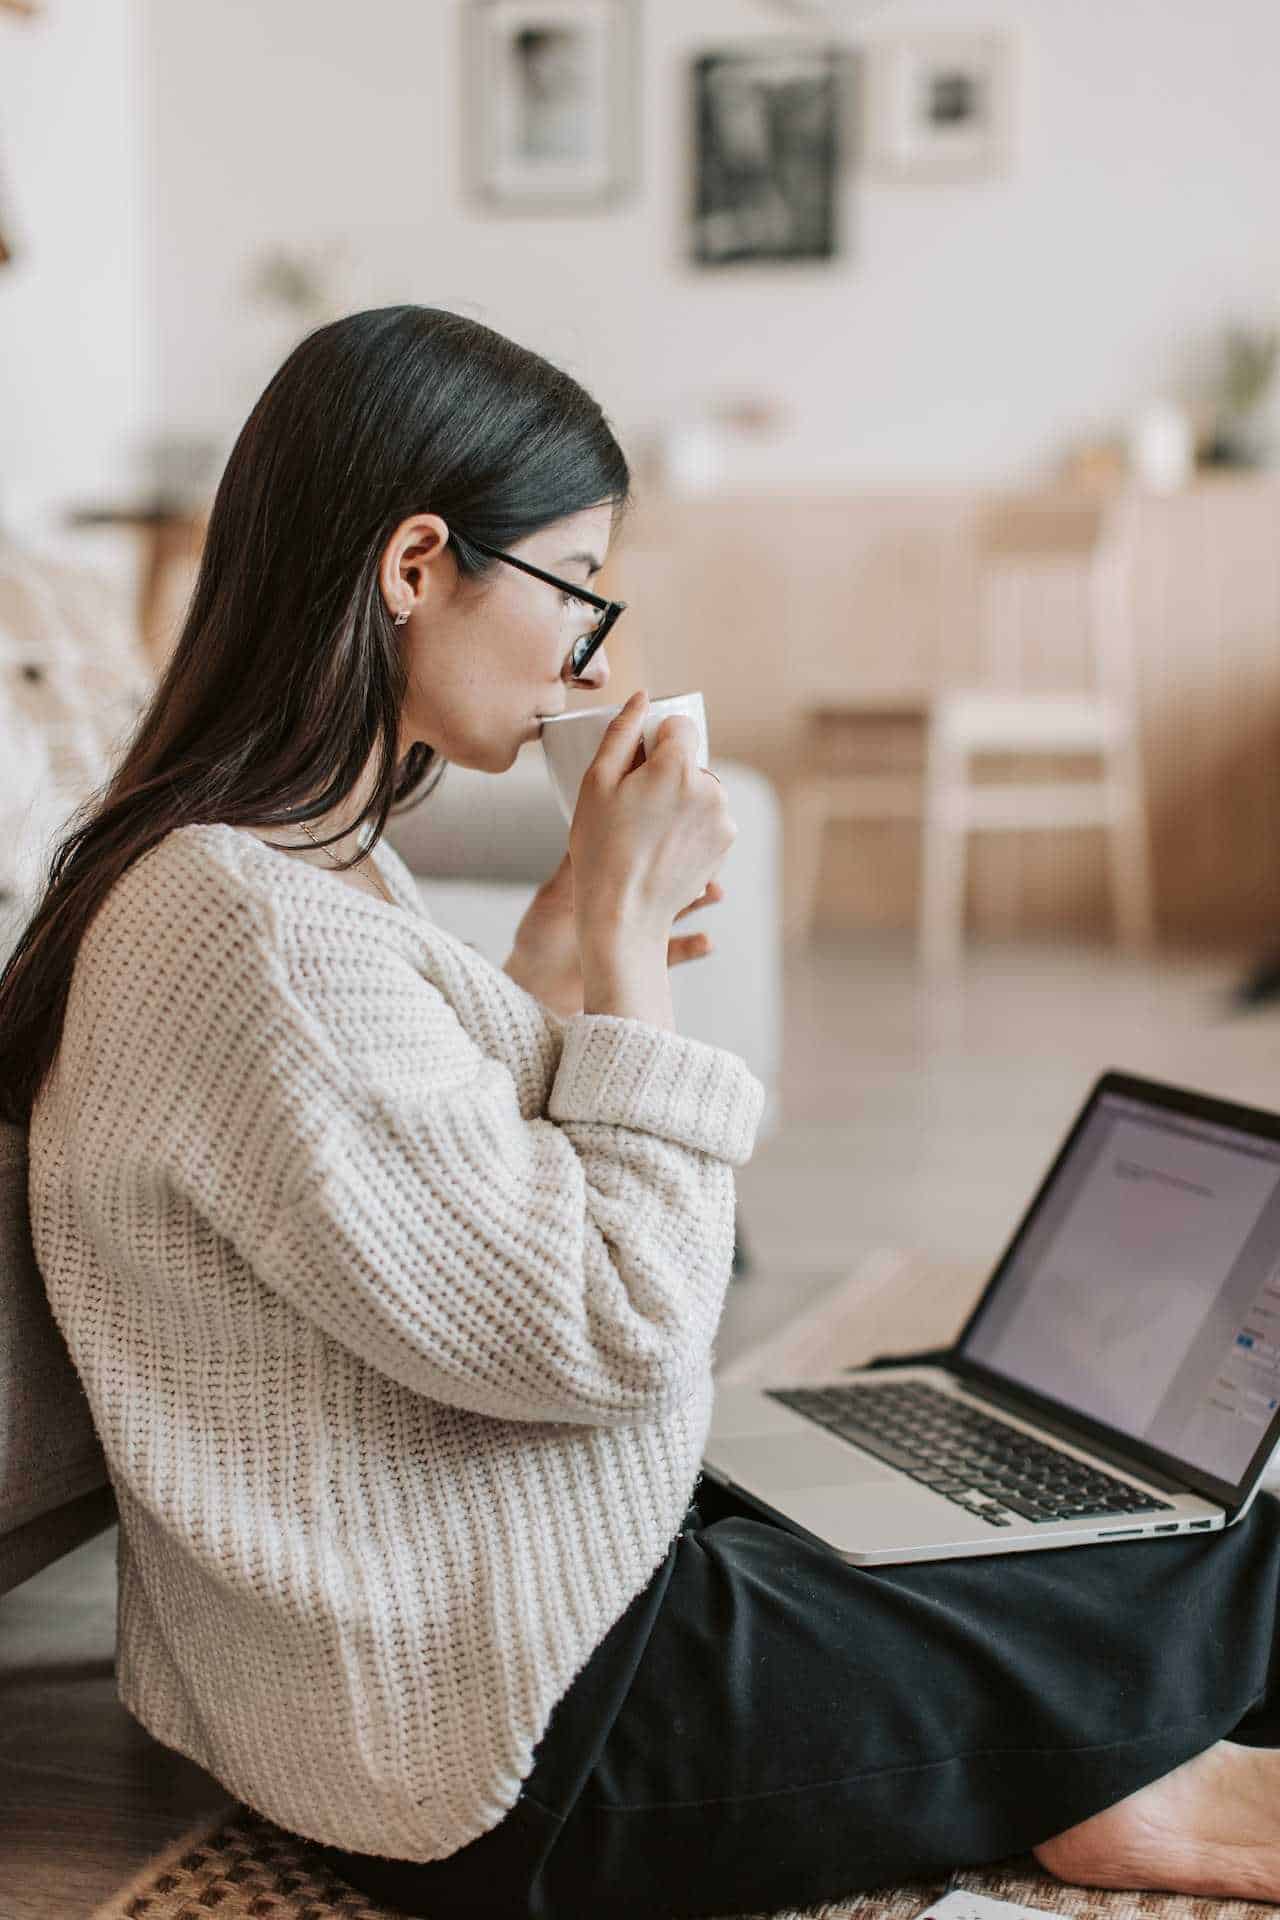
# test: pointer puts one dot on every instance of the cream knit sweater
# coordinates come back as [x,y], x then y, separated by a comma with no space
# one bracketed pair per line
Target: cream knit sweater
[393,1295]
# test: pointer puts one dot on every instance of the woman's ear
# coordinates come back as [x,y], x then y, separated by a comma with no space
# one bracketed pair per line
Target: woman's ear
[407,558]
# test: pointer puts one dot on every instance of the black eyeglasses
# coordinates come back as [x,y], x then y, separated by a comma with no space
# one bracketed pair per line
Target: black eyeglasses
[609,609]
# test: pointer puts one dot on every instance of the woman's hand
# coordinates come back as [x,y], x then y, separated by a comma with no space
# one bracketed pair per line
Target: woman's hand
[651,829]
[545,960]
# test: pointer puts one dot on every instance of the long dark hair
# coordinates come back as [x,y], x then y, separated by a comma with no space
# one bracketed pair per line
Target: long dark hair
[288,675]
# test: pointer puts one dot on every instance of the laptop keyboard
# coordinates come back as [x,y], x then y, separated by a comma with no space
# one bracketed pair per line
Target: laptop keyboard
[983,1464]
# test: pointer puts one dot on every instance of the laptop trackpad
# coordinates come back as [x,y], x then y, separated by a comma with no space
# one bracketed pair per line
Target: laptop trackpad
[796,1460]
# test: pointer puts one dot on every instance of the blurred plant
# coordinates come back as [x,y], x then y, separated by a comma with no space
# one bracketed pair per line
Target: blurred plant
[284,292]
[1247,368]
[300,283]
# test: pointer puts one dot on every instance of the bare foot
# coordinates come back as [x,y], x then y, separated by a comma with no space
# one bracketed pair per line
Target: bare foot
[1212,1827]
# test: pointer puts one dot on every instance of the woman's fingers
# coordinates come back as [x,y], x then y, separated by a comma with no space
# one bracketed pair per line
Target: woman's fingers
[687,946]
[713,892]
[620,742]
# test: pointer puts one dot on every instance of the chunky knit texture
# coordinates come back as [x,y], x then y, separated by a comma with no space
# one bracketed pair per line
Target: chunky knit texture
[393,1295]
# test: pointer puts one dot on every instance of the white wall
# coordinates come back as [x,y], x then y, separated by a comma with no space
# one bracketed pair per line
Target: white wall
[75,348]
[150,148]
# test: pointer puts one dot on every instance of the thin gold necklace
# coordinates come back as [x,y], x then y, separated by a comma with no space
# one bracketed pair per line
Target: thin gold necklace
[374,875]
[333,861]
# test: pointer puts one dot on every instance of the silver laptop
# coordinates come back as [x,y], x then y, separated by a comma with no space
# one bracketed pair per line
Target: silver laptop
[1119,1378]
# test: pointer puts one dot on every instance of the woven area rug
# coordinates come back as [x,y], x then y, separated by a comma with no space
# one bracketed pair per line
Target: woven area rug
[239,1866]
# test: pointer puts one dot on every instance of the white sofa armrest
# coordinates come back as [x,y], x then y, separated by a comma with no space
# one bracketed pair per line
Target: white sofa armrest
[485,826]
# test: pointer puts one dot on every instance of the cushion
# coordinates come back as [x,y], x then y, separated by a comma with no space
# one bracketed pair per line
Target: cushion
[73,680]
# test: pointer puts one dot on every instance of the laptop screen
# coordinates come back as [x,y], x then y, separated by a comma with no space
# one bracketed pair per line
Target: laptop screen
[1144,1291]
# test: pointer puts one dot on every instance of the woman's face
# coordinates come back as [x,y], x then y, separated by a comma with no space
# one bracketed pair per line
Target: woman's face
[486,659]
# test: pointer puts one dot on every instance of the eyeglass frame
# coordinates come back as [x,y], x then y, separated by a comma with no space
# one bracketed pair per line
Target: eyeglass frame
[609,608]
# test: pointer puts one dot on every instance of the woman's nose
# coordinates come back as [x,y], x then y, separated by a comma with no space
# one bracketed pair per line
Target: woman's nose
[594,675]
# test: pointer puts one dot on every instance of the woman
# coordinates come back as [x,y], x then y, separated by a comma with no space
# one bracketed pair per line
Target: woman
[392,1276]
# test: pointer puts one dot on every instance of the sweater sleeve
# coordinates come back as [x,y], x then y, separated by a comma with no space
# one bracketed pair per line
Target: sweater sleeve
[565,1265]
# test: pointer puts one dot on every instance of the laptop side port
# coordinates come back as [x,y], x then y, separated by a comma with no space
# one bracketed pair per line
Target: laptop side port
[1199,1523]
[1169,1527]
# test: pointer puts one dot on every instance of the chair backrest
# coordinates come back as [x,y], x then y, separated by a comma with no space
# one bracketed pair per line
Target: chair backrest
[49,1450]
[1054,586]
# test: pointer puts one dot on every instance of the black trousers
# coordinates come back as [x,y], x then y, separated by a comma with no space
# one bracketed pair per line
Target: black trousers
[768,1727]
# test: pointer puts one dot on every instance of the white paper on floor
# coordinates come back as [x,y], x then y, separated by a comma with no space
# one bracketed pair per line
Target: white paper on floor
[977,1906]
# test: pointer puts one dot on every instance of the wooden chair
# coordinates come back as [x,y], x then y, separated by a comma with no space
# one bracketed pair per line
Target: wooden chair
[1017,706]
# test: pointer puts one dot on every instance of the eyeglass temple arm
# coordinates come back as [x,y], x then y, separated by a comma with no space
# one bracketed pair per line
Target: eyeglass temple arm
[552,579]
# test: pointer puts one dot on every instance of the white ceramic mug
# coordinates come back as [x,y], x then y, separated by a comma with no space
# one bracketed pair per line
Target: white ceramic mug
[570,741]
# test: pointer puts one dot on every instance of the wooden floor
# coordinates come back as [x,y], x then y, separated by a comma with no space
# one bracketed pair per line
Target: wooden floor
[909,1118]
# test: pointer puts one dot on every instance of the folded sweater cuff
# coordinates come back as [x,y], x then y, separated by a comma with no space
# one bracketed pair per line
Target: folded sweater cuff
[629,1073]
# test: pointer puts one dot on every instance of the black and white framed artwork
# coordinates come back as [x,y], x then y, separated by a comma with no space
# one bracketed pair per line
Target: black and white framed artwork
[768,138]
[552,122]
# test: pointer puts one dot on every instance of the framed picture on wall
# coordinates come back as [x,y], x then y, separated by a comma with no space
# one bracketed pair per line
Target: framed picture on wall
[766,152]
[940,106]
[552,109]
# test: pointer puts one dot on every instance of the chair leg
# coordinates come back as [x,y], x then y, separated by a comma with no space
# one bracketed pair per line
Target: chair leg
[1130,861]
[806,823]
[942,898]
[944,851]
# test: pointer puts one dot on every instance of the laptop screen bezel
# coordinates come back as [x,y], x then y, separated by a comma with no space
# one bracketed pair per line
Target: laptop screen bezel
[1157,1095]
